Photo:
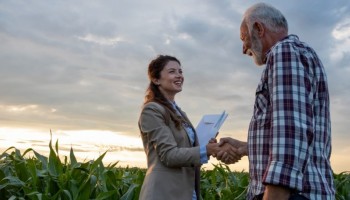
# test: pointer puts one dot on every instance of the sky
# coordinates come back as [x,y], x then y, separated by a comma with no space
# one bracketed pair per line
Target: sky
[79,69]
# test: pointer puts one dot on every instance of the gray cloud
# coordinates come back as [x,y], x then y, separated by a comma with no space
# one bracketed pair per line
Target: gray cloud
[82,65]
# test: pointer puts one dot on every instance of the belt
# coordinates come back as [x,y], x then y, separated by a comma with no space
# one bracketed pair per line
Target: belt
[294,196]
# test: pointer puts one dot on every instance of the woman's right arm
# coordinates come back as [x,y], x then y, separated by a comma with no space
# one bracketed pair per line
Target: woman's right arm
[160,137]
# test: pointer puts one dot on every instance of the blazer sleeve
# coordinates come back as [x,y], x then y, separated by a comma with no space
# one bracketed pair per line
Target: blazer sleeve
[160,136]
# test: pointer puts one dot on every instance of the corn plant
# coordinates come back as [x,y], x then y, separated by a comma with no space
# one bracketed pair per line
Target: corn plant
[35,177]
[222,183]
[42,178]
[342,185]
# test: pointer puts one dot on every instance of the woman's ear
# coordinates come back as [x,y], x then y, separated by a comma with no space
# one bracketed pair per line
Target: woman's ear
[155,81]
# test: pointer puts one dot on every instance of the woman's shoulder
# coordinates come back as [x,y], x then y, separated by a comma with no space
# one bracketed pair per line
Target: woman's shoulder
[154,106]
[155,109]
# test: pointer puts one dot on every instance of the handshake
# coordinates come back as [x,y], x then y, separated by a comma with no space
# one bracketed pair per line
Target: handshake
[228,150]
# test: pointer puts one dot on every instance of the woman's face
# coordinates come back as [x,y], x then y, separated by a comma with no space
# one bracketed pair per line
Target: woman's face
[171,80]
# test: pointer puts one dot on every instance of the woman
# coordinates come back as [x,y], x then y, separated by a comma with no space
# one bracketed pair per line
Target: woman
[173,154]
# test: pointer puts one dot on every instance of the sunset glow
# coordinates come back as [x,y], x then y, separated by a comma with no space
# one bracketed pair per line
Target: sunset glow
[83,74]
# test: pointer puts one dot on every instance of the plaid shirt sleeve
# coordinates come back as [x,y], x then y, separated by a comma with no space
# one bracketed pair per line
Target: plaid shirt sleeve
[289,87]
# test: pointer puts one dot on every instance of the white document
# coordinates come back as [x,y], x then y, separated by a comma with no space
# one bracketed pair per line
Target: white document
[209,126]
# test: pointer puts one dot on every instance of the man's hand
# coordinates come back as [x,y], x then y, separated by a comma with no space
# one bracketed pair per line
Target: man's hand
[231,153]
[230,157]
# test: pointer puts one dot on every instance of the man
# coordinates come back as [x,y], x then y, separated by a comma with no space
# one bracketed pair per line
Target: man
[289,137]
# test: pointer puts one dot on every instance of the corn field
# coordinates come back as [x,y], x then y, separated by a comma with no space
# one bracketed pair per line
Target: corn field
[33,176]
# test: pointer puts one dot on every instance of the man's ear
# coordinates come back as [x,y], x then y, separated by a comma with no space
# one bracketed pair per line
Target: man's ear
[259,27]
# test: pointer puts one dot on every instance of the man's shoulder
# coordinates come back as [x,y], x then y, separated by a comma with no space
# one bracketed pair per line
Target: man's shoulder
[288,44]
[288,40]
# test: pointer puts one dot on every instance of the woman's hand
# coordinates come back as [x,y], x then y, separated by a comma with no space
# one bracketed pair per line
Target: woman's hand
[230,157]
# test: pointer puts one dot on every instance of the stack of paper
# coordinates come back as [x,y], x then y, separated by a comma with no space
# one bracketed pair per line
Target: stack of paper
[209,126]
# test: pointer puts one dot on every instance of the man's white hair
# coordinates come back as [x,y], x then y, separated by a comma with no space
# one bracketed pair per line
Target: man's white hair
[266,14]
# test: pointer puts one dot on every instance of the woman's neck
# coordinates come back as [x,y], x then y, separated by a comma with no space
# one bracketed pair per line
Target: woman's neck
[170,98]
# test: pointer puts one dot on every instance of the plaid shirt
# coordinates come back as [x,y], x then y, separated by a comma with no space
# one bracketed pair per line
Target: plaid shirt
[289,139]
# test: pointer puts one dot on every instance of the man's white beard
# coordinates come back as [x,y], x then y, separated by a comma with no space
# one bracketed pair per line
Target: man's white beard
[257,48]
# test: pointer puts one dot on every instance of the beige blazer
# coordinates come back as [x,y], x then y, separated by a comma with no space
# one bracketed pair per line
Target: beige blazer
[173,164]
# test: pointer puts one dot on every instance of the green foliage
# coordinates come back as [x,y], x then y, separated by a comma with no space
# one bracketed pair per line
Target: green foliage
[342,185]
[42,178]
[37,177]
[222,183]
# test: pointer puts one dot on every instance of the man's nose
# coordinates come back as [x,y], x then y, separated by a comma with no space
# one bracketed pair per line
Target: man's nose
[245,49]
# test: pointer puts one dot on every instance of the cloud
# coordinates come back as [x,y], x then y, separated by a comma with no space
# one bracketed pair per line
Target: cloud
[83,65]
[341,34]
[101,40]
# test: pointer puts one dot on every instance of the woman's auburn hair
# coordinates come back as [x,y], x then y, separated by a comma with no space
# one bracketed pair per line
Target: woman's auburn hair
[153,94]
